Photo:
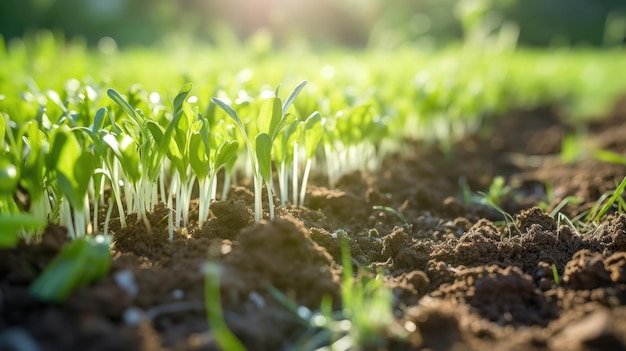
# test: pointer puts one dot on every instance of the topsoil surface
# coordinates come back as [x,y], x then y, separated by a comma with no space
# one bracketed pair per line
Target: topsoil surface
[462,278]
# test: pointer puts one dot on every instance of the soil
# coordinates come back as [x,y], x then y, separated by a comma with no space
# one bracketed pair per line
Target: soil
[462,277]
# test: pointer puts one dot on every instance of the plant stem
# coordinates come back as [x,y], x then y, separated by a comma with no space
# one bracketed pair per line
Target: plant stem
[305,179]
[294,175]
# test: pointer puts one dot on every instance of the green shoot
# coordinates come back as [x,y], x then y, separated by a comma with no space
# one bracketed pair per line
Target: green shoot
[610,156]
[74,170]
[363,321]
[313,132]
[498,190]
[555,274]
[392,211]
[607,201]
[213,304]
[13,225]
[271,121]
[258,204]
[507,217]
[78,264]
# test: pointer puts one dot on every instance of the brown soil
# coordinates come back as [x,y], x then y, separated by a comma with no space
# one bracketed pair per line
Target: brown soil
[462,278]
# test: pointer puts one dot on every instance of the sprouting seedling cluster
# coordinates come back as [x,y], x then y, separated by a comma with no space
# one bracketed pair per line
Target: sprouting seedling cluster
[275,138]
[137,153]
[135,148]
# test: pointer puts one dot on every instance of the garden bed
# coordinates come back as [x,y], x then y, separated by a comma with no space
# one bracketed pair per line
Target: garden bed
[459,281]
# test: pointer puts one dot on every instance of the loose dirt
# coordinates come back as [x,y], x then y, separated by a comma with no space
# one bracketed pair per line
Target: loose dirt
[462,277]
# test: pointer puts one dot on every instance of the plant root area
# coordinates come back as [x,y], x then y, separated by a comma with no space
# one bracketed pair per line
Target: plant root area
[461,276]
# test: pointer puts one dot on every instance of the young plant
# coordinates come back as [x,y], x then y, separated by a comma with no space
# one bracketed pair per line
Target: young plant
[74,168]
[206,164]
[271,120]
[213,305]
[313,131]
[140,145]
[15,224]
[364,320]
[81,262]
[610,156]
[608,200]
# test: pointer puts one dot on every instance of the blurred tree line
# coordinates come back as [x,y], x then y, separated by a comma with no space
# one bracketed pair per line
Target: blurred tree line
[347,22]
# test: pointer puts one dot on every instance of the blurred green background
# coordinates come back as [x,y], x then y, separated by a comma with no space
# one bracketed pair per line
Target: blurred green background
[355,23]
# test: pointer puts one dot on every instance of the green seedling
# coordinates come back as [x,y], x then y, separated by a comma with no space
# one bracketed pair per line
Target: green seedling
[610,156]
[15,224]
[555,274]
[80,263]
[364,320]
[74,170]
[213,304]
[606,201]
[508,219]
[392,211]
[271,121]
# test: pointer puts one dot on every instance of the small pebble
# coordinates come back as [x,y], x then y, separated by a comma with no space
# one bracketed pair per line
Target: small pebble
[133,316]
[126,280]
[18,339]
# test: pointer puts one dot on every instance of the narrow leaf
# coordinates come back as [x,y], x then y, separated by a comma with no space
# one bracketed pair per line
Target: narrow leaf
[313,132]
[78,264]
[181,96]
[225,152]
[263,154]
[123,104]
[270,116]
[12,224]
[293,96]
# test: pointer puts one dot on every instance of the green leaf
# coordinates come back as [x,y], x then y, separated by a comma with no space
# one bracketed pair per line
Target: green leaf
[610,156]
[3,128]
[198,157]
[12,224]
[181,97]
[264,157]
[78,264]
[313,132]
[269,117]
[125,149]
[232,113]
[285,122]
[9,176]
[69,155]
[225,152]
[124,105]
[156,131]
[292,96]
[98,120]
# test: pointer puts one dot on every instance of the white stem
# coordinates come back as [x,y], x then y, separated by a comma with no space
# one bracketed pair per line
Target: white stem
[282,186]
[162,184]
[294,176]
[305,179]
[107,219]
[270,198]
[170,225]
[80,222]
[86,218]
[258,198]
[95,214]
[117,193]
[213,188]
[228,180]
[67,215]
[202,200]
[141,210]
[187,199]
